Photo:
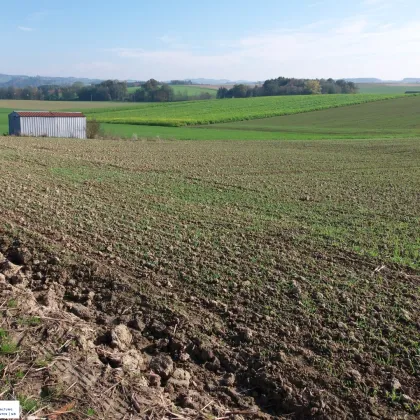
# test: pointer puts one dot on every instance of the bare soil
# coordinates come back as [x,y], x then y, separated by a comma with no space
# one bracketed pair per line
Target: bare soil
[270,323]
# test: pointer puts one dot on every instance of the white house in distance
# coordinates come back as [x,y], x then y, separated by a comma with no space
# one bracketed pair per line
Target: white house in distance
[47,124]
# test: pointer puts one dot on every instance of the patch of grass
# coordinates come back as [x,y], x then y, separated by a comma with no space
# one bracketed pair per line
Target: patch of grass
[12,303]
[31,321]
[394,397]
[8,347]
[90,412]
[20,374]
[27,404]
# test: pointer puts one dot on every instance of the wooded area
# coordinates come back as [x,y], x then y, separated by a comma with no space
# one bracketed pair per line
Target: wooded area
[286,86]
[109,90]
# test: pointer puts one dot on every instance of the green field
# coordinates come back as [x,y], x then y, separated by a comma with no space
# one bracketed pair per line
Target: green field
[4,125]
[190,90]
[381,88]
[198,133]
[177,114]
[374,118]
[396,118]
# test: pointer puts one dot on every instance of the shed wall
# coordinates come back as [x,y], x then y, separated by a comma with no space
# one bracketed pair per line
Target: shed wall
[72,127]
[14,124]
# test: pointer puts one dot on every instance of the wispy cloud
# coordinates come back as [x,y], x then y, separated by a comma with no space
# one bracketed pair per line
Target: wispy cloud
[34,19]
[359,46]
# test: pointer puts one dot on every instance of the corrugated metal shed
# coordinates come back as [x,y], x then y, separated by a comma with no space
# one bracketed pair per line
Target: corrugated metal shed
[48,124]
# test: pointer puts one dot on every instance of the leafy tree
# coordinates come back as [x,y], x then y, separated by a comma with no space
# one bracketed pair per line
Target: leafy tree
[270,88]
[151,85]
[139,95]
[313,87]
[152,92]
[222,93]
[101,94]
[163,94]
[240,91]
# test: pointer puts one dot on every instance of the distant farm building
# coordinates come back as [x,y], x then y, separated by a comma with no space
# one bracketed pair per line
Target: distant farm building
[47,124]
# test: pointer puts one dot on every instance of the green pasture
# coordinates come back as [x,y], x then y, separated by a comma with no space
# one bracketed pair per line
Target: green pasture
[175,114]
[190,90]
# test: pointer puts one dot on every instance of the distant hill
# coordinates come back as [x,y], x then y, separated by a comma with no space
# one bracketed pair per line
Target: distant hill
[201,81]
[4,78]
[409,80]
[36,81]
[364,80]
[217,82]
[374,80]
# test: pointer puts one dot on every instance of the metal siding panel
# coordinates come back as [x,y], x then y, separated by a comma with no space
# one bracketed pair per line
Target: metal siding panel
[23,129]
[70,127]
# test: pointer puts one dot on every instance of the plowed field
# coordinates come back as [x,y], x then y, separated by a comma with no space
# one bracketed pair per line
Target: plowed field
[266,279]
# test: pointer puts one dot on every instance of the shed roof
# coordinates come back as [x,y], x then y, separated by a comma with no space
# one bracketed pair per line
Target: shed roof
[48,114]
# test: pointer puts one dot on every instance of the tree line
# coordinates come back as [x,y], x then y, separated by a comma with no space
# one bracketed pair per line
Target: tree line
[109,90]
[154,91]
[288,86]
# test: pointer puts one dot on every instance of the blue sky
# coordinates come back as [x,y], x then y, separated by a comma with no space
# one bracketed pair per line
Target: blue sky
[228,39]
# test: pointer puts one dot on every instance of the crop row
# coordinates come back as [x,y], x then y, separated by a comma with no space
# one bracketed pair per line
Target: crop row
[217,111]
